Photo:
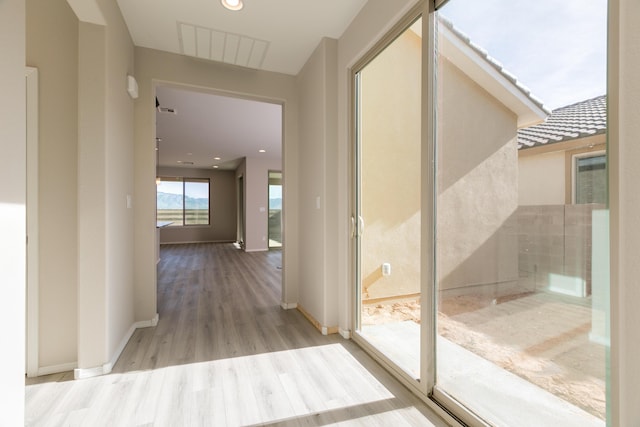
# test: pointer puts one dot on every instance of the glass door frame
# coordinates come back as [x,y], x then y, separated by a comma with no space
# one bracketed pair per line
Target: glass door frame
[425,387]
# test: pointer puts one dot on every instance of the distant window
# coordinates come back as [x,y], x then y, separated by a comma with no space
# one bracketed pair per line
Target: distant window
[590,179]
[183,201]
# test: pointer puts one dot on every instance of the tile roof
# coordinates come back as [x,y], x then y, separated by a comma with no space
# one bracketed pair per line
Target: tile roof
[579,120]
[493,62]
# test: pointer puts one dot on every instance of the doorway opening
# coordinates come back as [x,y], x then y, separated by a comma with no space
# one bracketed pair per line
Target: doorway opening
[225,145]
[275,210]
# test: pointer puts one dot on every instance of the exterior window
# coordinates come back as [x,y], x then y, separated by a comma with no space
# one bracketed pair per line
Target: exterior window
[183,201]
[590,179]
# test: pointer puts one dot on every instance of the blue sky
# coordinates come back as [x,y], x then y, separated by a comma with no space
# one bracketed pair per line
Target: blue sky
[557,48]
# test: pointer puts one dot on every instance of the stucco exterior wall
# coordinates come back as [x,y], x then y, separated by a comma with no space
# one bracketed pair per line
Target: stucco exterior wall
[477,185]
[541,179]
[390,175]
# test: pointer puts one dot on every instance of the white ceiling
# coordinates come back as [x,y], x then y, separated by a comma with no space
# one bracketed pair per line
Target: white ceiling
[292,28]
[208,125]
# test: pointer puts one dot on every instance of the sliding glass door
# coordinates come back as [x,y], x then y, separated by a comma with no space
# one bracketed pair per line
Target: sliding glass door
[387,220]
[480,217]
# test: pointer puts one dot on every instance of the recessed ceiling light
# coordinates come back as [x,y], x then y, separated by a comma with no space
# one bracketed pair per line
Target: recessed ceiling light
[232,4]
[216,158]
[215,166]
[262,151]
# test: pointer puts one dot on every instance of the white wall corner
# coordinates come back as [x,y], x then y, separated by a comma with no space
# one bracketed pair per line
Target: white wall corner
[82,373]
[288,305]
[345,333]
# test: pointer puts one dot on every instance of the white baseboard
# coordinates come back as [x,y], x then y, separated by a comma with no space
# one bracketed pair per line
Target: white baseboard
[189,242]
[147,323]
[288,305]
[81,373]
[256,250]
[345,333]
[56,369]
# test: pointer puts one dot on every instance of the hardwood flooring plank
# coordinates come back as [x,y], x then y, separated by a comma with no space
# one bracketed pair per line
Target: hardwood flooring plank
[225,354]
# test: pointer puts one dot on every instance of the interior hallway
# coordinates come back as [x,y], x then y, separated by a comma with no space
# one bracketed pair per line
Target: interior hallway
[225,353]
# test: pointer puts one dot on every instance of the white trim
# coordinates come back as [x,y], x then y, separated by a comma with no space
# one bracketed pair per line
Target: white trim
[345,333]
[56,369]
[256,250]
[196,241]
[147,323]
[33,270]
[82,373]
[288,305]
[324,330]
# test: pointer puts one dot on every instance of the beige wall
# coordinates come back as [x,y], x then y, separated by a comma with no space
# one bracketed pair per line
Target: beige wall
[541,179]
[222,202]
[477,184]
[154,67]
[256,203]
[623,151]
[312,93]
[52,47]
[391,170]
[255,180]
[85,174]
[12,210]
[105,183]
[119,179]
[91,198]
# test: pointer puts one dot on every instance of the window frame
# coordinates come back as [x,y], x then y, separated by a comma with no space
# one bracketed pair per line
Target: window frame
[575,156]
[184,180]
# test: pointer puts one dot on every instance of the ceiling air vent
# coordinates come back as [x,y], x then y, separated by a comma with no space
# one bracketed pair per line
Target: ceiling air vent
[218,45]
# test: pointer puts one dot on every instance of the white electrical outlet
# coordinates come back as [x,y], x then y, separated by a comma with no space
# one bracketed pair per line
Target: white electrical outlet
[386,269]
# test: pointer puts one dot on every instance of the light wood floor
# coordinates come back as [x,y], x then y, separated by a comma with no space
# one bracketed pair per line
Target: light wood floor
[225,354]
